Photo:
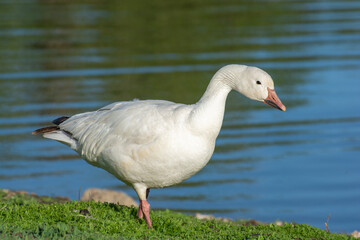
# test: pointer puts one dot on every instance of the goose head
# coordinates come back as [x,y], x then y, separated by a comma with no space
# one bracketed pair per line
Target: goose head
[253,83]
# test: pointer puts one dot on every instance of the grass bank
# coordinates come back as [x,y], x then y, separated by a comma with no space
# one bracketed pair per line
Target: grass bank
[23,216]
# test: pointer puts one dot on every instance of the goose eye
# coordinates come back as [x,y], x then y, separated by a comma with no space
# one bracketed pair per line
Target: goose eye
[258,82]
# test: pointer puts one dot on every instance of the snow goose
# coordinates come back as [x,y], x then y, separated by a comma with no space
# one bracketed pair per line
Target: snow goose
[153,143]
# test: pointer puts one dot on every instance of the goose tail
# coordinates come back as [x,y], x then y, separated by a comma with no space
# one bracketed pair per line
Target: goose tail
[56,133]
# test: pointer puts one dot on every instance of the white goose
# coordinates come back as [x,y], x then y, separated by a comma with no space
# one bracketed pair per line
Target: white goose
[153,143]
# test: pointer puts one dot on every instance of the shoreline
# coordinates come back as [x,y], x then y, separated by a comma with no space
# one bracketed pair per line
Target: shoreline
[8,194]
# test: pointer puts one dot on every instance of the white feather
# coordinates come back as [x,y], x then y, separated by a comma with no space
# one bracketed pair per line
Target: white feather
[62,137]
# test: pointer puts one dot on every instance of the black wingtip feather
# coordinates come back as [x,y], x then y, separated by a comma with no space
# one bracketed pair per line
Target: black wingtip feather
[45,130]
[60,120]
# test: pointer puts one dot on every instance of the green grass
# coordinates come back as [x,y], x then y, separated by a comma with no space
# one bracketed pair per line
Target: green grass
[28,217]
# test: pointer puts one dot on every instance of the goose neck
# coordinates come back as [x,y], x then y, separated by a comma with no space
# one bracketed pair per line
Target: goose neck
[208,112]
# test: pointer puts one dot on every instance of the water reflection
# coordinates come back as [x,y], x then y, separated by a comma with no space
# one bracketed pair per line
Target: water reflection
[61,58]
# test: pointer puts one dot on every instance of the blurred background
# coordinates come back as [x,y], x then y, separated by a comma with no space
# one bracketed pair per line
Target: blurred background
[65,57]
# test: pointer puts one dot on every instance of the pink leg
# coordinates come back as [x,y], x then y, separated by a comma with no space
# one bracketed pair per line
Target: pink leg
[139,212]
[145,207]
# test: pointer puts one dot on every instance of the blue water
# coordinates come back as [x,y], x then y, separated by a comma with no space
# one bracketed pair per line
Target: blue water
[300,165]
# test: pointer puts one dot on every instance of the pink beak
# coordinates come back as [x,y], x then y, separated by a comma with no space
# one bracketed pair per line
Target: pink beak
[273,101]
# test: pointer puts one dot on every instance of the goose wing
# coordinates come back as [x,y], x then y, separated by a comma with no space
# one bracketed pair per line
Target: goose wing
[122,124]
